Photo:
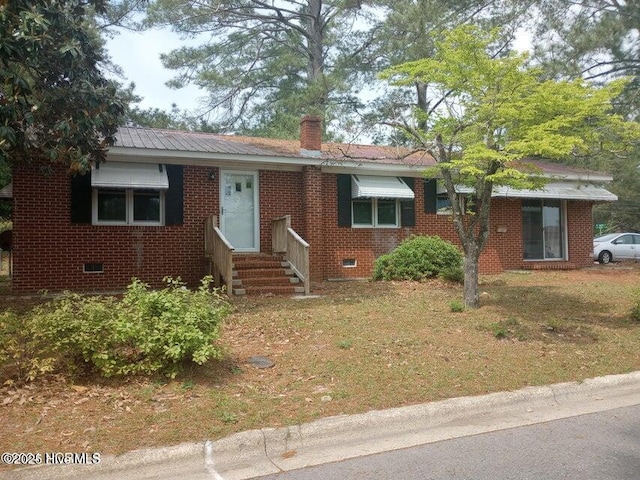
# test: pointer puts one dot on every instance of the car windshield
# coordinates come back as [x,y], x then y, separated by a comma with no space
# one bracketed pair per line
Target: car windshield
[606,238]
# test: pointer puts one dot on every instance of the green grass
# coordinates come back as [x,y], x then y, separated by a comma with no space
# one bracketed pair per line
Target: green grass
[365,345]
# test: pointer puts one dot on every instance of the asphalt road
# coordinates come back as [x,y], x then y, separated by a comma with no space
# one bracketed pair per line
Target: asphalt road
[598,446]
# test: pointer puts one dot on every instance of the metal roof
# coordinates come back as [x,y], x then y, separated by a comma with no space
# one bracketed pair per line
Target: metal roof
[175,140]
[139,141]
[138,138]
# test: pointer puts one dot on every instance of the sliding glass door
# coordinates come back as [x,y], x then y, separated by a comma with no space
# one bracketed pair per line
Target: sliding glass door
[543,229]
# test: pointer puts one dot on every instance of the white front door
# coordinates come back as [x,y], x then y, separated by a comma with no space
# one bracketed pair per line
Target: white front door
[239,212]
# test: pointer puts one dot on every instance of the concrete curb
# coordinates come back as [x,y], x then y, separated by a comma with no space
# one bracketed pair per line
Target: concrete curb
[260,452]
[271,450]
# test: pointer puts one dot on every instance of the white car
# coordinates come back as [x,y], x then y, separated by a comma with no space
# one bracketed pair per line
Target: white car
[616,246]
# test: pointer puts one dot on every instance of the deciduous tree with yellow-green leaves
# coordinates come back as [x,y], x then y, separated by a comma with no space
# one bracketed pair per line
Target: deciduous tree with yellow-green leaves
[486,113]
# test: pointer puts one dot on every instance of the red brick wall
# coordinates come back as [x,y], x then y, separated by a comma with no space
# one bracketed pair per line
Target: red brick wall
[49,252]
[504,250]
[580,233]
[280,194]
[315,219]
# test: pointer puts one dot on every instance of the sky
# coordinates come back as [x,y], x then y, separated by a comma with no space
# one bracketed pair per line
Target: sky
[138,54]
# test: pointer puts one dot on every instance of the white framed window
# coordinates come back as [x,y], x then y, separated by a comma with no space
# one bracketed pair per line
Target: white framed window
[375,200]
[128,193]
[127,206]
[375,212]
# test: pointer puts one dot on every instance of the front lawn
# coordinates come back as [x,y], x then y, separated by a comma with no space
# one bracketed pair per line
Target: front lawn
[360,346]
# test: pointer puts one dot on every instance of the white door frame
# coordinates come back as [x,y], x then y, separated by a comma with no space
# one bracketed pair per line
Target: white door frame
[563,234]
[256,207]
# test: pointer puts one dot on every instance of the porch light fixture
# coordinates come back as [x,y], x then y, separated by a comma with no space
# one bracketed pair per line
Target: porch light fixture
[211,175]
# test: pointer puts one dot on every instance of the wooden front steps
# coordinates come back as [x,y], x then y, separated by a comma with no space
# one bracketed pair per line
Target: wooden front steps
[264,274]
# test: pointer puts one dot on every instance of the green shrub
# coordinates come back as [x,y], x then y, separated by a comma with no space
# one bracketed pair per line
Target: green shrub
[147,331]
[420,257]
[452,274]
[21,357]
[499,330]
[456,306]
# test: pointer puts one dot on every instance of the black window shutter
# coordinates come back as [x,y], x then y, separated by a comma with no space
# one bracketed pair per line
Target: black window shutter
[408,207]
[81,198]
[174,197]
[344,200]
[430,193]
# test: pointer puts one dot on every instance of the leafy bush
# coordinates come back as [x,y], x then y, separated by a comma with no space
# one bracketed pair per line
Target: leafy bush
[20,351]
[147,331]
[499,329]
[420,257]
[456,306]
[452,274]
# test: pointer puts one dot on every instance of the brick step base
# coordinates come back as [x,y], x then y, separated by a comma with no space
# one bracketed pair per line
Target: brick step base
[252,264]
[262,281]
[263,274]
[273,290]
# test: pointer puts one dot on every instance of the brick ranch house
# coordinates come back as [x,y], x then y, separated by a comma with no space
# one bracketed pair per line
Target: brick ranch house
[143,212]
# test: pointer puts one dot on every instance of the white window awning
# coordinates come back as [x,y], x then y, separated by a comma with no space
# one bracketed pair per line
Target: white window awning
[559,190]
[7,191]
[130,175]
[372,186]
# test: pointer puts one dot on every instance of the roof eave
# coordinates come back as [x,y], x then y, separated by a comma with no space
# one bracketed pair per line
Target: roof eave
[204,158]
[588,177]
[328,165]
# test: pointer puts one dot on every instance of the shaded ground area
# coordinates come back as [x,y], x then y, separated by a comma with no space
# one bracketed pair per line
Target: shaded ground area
[360,346]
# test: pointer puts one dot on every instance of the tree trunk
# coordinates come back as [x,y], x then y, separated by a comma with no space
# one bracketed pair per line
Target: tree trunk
[471,284]
[423,102]
[315,65]
[315,41]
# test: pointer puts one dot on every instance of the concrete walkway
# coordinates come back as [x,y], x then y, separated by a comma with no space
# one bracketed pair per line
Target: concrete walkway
[271,450]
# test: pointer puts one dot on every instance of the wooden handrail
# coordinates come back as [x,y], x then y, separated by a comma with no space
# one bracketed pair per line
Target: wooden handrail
[298,257]
[296,251]
[219,252]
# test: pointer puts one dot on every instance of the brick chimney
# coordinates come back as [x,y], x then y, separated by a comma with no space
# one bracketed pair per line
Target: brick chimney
[311,135]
